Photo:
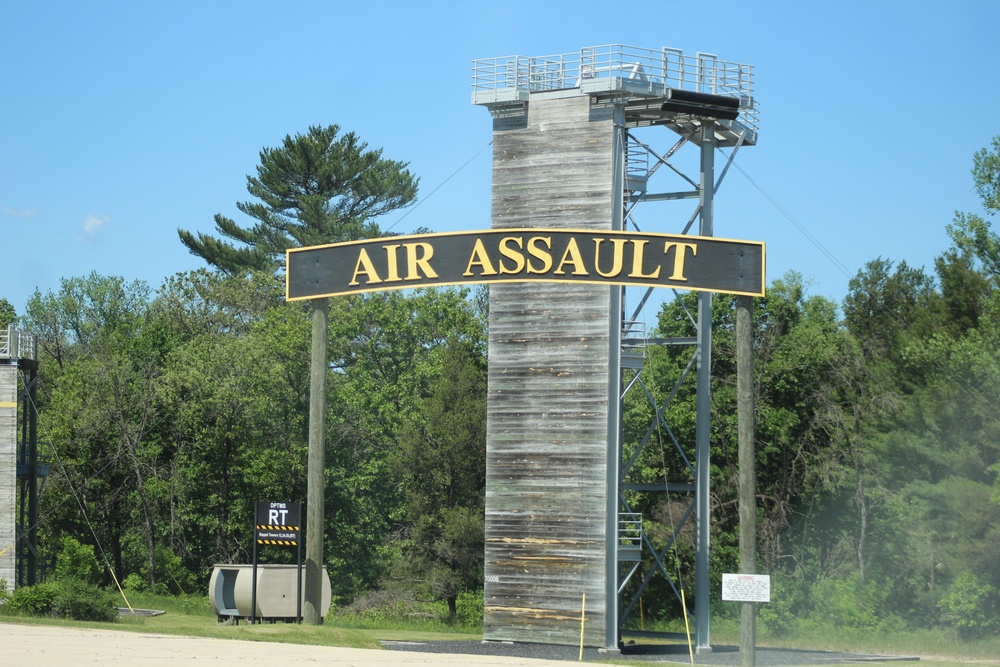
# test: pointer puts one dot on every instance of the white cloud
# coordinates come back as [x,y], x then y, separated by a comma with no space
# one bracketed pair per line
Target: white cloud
[21,212]
[93,224]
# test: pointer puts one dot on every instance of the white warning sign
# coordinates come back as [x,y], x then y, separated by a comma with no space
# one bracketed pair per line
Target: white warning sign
[746,588]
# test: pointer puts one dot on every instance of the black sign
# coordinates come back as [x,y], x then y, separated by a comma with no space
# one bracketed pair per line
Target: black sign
[278,523]
[525,255]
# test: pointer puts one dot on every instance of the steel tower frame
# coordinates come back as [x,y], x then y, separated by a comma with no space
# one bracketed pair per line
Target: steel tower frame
[702,134]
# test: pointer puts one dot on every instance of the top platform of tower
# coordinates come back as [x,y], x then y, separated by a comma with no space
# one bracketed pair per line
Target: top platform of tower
[16,345]
[640,79]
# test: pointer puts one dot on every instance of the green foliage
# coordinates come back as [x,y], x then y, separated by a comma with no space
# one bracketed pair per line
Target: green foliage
[885,304]
[972,606]
[8,315]
[441,465]
[986,175]
[846,602]
[134,583]
[469,613]
[76,561]
[318,187]
[970,233]
[780,617]
[82,601]
[34,600]
[171,575]
[68,598]
[398,608]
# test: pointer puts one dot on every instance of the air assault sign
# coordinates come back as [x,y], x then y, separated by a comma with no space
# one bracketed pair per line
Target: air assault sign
[525,255]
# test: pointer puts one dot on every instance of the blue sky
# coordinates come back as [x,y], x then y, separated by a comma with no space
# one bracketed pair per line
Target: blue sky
[124,121]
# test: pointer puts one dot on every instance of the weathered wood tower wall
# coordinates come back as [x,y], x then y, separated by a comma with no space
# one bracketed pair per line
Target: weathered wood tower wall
[8,469]
[548,407]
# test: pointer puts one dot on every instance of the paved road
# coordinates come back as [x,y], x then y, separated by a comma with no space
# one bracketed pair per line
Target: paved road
[49,646]
[53,646]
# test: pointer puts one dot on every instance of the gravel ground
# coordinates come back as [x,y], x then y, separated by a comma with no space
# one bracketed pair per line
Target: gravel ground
[667,653]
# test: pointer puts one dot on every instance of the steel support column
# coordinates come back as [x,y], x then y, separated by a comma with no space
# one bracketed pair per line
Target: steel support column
[704,405]
[614,398]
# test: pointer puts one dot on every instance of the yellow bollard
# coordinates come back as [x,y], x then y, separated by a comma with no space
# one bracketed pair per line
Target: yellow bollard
[583,616]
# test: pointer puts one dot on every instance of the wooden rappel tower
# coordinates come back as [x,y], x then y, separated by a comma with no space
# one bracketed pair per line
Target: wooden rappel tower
[20,470]
[561,540]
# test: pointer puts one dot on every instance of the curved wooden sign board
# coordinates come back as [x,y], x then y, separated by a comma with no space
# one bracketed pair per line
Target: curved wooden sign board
[526,255]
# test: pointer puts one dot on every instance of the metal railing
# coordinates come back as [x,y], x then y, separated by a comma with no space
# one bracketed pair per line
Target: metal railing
[17,344]
[615,67]
[630,530]
[636,160]
[634,334]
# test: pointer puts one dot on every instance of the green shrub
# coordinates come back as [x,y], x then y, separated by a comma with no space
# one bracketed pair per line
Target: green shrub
[32,600]
[82,601]
[134,583]
[972,606]
[4,592]
[77,561]
[780,616]
[842,603]
[171,577]
[73,599]
[469,609]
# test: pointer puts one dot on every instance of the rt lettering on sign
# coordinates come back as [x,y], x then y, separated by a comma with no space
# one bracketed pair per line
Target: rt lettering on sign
[276,516]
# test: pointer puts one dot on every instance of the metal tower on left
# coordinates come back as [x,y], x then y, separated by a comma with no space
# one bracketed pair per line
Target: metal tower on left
[19,465]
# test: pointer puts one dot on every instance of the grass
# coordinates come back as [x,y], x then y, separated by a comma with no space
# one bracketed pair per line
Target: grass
[193,617]
[934,648]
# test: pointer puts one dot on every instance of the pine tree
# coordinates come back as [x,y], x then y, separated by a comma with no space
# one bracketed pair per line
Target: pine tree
[316,188]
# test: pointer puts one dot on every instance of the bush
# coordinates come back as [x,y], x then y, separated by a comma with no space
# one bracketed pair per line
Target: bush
[972,607]
[780,616]
[77,561]
[82,601]
[171,577]
[844,603]
[134,583]
[32,600]
[469,609]
[73,599]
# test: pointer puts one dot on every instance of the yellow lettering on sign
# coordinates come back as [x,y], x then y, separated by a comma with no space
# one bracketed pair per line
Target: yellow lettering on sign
[392,261]
[572,256]
[417,261]
[637,256]
[511,253]
[679,255]
[540,253]
[365,267]
[618,255]
[481,259]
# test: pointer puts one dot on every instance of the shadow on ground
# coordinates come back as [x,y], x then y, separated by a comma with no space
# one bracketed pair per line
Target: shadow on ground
[666,653]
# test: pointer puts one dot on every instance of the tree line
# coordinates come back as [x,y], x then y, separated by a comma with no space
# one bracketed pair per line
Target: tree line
[166,414]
